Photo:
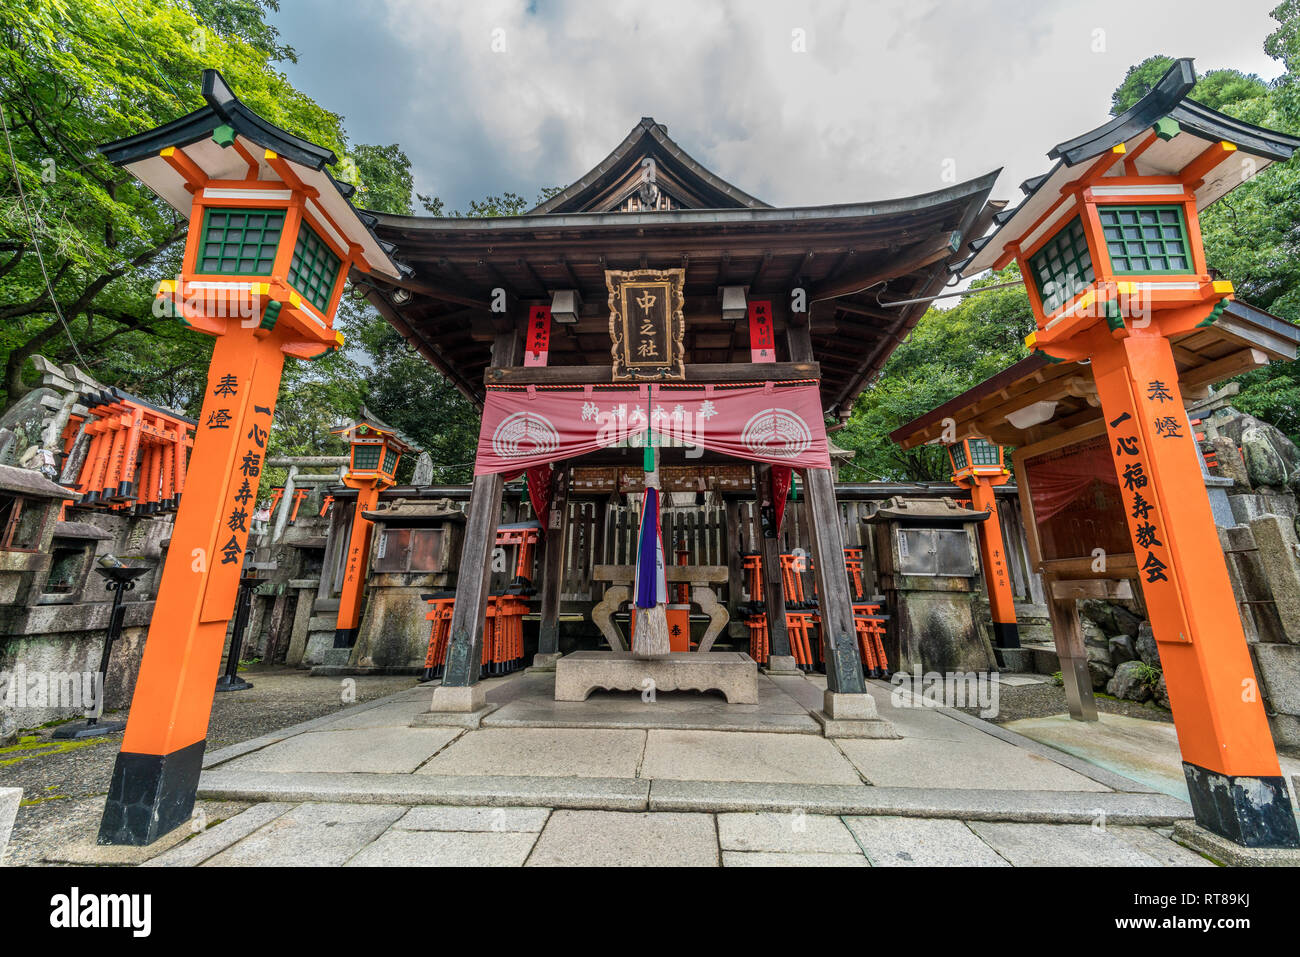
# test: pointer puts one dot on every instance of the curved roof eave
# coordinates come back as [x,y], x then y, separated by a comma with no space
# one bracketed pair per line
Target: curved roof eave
[1167,98]
[224,108]
[789,214]
[656,131]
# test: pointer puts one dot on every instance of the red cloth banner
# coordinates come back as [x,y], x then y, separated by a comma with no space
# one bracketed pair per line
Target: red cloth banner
[537,346]
[782,425]
[541,486]
[781,479]
[762,344]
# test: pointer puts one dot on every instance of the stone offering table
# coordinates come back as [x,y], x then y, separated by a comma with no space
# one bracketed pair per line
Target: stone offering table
[733,673]
[700,578]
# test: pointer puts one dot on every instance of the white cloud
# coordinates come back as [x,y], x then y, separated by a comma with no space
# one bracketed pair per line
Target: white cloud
[885,93]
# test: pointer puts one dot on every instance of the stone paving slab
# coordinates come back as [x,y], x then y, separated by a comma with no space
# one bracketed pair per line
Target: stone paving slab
[1071,807]
[498,819]
[921,842]
[578,752]
[216,839]
[364,750]
[411,789]
[1076,845]
[403,848]
[794,832]
[980,761]
[311,835]
[611,839]
[396,714]
[773,859]
[532,704]
[722,756]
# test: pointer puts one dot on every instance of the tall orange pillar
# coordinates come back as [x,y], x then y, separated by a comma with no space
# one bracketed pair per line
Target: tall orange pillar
[1229,760]
[358,562]
[157,771]
[1002,606]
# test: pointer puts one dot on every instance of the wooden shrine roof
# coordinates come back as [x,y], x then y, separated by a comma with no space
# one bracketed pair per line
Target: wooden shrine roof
[851,258]
[1036,398]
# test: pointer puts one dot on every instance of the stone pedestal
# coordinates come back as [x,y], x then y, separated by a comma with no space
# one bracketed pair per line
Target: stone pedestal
[545,662]
[782,665]
[456,707]
[733,673]
[852,716]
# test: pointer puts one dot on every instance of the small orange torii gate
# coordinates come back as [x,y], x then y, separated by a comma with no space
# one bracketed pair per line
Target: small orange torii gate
[137,454]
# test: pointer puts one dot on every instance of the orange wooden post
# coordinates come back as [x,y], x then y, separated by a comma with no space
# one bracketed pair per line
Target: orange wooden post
[263,267]
[298,496]
[978,467]
[167,479]
[376,450]
[356,567]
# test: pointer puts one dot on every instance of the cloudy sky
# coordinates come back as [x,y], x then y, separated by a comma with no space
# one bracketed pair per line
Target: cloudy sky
[796,103]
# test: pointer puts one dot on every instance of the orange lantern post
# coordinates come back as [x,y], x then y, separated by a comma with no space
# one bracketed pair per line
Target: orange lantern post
[1110,247]
[273,237]
[977,466]
[376,451]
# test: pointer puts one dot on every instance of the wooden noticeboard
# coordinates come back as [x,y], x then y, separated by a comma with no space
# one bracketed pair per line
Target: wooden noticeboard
[646,325]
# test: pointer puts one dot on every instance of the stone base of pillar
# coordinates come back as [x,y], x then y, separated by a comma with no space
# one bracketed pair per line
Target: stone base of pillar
[545,662]
[455,707]
[1253,812]
[852,716]
[1204,841]
[782,665]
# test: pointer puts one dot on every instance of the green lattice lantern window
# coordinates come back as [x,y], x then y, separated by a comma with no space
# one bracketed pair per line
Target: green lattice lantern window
[1146,239]
[1062,267]
[314,268]
[376,451]
[239,242]
[975,456]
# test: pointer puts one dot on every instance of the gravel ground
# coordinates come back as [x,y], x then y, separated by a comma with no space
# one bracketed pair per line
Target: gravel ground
[64,783]
[1041,700]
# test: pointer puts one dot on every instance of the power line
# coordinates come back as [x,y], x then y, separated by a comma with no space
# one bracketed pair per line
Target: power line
[31,227]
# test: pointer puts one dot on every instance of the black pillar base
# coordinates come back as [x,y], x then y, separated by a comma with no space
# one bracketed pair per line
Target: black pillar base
[1252,812]
[1006,634]
[150,794]
[233,683]
[345,637]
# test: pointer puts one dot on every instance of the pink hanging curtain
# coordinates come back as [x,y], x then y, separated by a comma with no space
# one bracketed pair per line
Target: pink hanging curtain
[779,424]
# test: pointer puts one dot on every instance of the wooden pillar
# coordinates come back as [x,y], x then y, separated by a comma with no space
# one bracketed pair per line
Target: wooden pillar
[997,579]
[157,771]
[465,651]
[465,643]
[1229,758]
[769,545]
[556,538]
[1068,634]
[835,600]
[357,565]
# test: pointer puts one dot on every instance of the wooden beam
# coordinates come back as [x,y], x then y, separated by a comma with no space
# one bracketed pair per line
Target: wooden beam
[908,260]
[715,373]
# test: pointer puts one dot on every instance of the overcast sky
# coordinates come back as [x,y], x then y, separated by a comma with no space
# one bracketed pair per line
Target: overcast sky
[797,104]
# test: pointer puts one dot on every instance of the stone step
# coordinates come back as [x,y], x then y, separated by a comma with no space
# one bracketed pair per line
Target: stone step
[639,794]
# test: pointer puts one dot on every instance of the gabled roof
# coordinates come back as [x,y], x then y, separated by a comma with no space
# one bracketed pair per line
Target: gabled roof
[139,154]
[1198,126]
[622,173]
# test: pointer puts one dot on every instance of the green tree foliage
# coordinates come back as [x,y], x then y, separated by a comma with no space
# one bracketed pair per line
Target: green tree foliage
[1252,237]
[948,352]
[74,76]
